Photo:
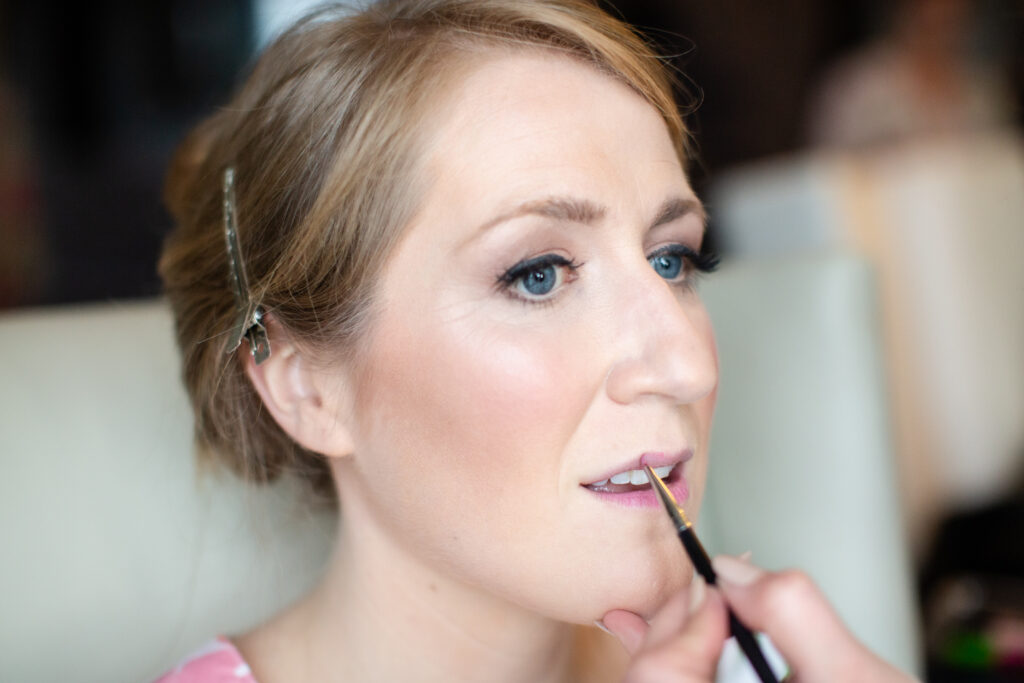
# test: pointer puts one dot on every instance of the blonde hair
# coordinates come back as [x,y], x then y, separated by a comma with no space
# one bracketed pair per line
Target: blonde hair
[324,136]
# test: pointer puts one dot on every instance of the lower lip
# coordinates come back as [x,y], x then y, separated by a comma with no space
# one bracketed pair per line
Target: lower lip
[644,498]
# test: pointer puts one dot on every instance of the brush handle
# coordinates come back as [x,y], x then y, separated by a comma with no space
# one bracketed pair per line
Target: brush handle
[751,649]
[742,634]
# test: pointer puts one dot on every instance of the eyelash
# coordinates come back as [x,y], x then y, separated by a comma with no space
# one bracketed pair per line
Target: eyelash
[693,263]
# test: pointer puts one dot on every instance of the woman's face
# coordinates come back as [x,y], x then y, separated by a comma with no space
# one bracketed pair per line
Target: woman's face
[538,334]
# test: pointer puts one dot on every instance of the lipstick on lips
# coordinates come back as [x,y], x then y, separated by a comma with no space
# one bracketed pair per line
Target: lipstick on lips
[629,484]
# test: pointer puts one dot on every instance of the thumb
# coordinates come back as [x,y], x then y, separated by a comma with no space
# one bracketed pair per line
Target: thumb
[629,628]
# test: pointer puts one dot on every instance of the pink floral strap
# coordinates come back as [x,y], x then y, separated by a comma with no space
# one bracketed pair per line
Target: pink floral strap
[215,662]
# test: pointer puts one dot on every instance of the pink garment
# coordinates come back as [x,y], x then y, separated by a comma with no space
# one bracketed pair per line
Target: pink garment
[215,662]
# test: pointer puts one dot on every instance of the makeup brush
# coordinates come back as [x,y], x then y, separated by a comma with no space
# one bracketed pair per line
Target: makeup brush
[702,563]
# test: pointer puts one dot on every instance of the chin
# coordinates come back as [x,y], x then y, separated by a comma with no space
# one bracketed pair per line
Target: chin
[647,598]
[641,590]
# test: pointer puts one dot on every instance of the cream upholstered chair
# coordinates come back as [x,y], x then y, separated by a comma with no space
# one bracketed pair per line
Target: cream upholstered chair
[118,558]
[940,220]
[802,469]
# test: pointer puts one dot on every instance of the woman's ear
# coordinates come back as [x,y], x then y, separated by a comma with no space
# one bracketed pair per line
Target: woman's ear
[310,404]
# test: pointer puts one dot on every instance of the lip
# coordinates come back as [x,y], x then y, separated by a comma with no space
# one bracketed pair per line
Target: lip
[676,480]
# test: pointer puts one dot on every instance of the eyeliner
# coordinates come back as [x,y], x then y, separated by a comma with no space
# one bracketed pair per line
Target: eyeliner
[702,563]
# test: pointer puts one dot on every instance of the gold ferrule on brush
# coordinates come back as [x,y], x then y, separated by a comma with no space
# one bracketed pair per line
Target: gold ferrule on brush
[668,500]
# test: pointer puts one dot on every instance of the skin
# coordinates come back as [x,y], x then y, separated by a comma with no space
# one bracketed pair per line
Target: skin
[462,435]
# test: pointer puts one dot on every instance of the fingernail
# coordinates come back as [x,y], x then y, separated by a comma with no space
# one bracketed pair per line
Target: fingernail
[736,571]
[698,591]
[747,556]
[600,624]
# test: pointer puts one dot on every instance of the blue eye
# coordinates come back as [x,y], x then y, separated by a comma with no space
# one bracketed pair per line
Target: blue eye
[536,279]
[540,281]
[676,262]
[667,265]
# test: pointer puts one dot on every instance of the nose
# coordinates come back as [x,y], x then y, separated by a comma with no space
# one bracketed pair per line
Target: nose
[665,345]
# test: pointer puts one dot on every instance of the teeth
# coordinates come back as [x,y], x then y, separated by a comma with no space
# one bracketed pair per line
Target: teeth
[635,477]
[622,477]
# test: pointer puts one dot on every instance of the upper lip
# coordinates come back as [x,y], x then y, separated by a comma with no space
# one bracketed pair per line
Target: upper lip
[652,458]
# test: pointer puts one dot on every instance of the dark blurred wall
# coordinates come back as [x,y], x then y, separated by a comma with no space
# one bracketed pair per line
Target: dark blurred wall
[109,89]
[94,97]
[752,64]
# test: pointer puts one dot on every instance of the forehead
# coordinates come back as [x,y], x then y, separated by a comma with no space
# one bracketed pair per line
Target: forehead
[519,124]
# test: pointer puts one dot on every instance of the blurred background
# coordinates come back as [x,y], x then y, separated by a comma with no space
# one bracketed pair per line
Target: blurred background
[888,129]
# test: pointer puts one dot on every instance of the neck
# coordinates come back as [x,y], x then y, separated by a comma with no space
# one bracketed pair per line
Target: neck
[381,615]
[408,622]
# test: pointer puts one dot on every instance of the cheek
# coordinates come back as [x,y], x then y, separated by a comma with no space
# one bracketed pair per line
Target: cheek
[459,406]
[464,426]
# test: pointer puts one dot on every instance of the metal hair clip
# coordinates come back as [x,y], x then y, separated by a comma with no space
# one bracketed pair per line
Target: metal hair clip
[249,324]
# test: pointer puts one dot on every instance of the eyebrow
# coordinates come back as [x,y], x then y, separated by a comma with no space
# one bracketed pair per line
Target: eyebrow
[678,207]
[568,209]
[574,210]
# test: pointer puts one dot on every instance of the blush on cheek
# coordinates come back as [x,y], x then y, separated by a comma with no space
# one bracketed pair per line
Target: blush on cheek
[461,430]
[474,408]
